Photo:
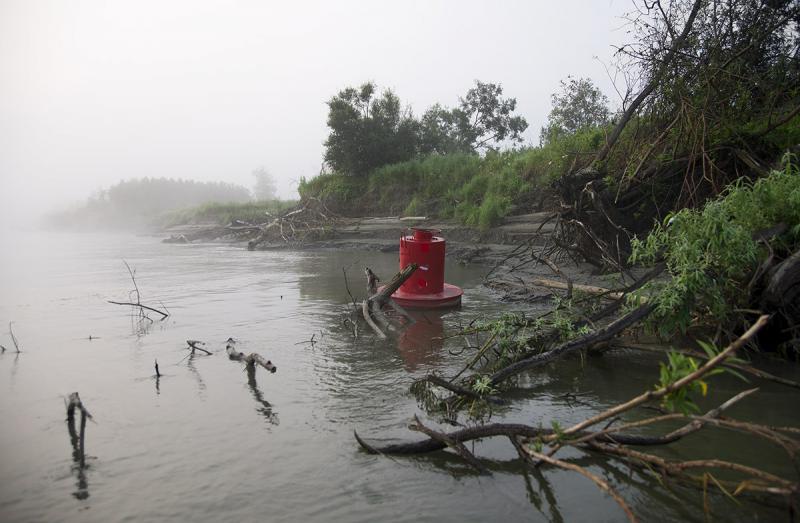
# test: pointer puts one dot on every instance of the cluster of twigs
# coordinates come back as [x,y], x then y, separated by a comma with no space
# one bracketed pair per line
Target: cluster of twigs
[311,220]
[135,301]
[537,445]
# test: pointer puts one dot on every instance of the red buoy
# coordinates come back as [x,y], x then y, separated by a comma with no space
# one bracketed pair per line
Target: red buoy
[426,288]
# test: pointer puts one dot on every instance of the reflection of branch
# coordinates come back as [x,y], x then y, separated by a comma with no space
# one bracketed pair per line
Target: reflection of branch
[266,407]
[602,484]
[75,403]
[676,385]
[78,442]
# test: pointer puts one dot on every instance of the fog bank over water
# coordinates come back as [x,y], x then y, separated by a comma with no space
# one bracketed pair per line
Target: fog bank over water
[95,92]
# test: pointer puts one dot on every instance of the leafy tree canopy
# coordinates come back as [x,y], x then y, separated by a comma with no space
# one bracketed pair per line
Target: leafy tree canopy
[579,105]
[482,121]
[369,131]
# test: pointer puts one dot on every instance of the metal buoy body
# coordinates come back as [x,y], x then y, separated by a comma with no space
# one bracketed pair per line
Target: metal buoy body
[426,288]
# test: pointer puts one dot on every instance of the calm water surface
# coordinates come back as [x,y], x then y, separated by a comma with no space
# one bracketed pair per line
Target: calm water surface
[207,442]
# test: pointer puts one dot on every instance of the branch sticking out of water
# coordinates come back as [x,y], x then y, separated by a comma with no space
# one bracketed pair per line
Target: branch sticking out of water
[138,303]
[73,403]
[195,345]
[251,360]
[13,338]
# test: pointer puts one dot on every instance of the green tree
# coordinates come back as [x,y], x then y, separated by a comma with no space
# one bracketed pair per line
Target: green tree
[439,132]
[368,131]
[578,106]
[484,118]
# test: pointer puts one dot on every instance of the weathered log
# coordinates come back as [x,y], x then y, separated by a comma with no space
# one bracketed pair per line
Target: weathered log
[372,305]
[372,281]
[498,429]
[251,360]
[368,318]
[588,289]
[390,288]
[456,445]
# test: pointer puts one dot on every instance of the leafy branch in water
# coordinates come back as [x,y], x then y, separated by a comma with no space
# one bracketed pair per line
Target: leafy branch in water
[679,366]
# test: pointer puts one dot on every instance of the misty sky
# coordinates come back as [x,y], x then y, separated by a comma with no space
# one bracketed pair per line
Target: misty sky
[96,91]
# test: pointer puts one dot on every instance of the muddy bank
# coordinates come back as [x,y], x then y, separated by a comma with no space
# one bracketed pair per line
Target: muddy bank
[490,249]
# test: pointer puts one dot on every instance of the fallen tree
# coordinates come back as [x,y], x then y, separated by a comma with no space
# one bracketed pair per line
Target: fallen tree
[537,445]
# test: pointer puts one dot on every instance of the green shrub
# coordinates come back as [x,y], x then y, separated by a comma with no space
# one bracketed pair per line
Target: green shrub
[711,253]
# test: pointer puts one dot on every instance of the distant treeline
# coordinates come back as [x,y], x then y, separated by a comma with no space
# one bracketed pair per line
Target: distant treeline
[139,202]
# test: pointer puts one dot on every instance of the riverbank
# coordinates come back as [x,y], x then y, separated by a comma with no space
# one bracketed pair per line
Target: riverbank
[465,245]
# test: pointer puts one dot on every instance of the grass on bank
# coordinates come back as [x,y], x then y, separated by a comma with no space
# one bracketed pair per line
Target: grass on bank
[225,213]
[474,190]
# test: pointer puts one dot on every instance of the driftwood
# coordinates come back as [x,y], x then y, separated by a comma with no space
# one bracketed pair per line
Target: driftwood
[310,218]
[371,308]
[456,445]
[612,442]
[569,287]
[251,360]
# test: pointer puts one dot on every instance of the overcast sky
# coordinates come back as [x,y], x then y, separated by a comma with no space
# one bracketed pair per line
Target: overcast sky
[96,91]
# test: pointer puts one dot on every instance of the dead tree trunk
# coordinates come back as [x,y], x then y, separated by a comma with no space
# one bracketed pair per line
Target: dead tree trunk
[371,307]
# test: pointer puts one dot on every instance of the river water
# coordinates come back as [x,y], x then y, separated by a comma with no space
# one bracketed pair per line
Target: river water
[207,442]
